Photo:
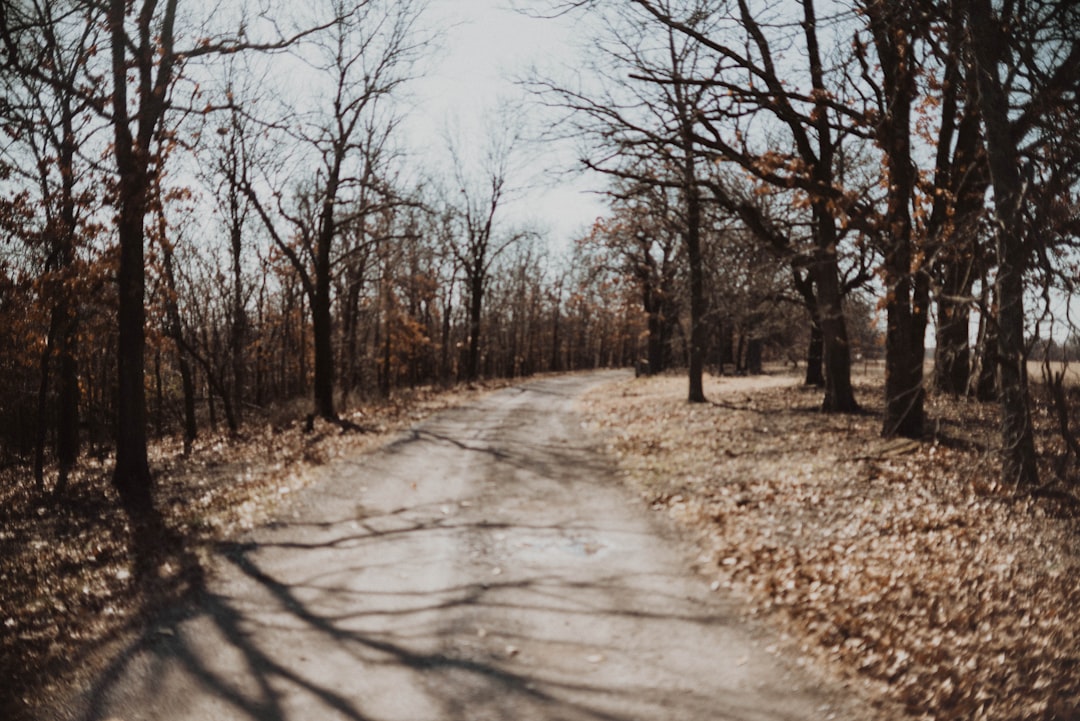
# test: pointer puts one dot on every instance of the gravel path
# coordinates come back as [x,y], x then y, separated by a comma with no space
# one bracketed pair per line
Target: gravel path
[485,565]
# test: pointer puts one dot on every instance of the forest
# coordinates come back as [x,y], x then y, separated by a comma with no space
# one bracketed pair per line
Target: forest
[211,219]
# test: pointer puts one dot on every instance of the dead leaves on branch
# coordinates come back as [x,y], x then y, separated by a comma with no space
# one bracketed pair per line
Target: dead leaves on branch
[904,564]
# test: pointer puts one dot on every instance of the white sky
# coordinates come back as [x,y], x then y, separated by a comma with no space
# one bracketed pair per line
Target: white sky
[486,44]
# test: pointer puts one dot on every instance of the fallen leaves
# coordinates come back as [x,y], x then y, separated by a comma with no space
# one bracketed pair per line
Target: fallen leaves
[66,585]
[903,564]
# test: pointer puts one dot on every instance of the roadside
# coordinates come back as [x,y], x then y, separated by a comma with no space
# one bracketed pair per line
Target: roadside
[485,565]
[902,565]
[68,598]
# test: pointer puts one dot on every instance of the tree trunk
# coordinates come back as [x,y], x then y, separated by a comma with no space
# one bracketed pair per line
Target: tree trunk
[385,378]
[159,396]
[654,342]
[67,423]
[983,382]
[175,330]
[836,353]
[476,301]
[654,353]
[42,431]
[238,335]
[135,171]
[1017,439]
[322,328]
[952,355]
[740,355]
[67,426]
[692,238]
[556,340]
[953,223]
[187,383]
[132,472]
[905,320]
[904,393]
[445,369]
[814,357]
[753,356]
[815,350]
[698,331]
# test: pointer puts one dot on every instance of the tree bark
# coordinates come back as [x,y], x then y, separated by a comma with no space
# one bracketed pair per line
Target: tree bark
[839,394]
[692,239]
[1017,439]
[238,331]
[476,305]
[132,472]
[135,175]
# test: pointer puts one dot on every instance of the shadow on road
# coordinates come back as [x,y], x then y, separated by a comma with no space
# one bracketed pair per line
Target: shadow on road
[455,681]
[482,567]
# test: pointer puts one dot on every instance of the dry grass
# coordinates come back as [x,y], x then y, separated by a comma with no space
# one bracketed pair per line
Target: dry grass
[904,565]
[1070,371]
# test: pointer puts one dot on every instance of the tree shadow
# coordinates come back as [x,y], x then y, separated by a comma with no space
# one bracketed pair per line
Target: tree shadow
[346,618]
[216,646]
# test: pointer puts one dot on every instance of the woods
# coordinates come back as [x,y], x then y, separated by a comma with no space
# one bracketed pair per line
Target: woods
[180,246]
[221,221]
[899,166]
[907,167]
[893,152]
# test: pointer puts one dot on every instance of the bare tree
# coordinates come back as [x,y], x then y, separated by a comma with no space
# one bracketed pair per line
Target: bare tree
[1022,112]
[48,120]
[646,245]
[801,139]
[365,59]
[637,119]
[482,188]
[133,89]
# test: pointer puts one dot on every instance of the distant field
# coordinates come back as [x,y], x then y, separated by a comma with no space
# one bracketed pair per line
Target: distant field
[1072,372]
[877,367]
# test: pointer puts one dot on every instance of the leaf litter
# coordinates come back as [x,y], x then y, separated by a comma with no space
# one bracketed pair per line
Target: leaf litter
[904,566]
[68,594]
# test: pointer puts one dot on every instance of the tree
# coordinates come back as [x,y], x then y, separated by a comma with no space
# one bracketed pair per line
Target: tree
[364,60]
[174,329]
[132,90]
[47,120]
[796,151]
[640,125]
[479,241]
[954,226]
[1022,115]
[231,160]
[645,245]
[895,29]
[147,50]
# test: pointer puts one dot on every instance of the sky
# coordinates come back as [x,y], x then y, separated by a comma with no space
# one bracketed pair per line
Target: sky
[485,46]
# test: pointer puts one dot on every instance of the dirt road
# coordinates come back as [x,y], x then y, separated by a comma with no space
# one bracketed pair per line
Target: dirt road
[485,565]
